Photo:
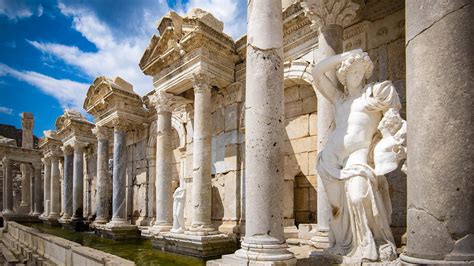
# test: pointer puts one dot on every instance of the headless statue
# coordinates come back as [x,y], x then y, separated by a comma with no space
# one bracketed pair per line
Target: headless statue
[179,198]
[368,141]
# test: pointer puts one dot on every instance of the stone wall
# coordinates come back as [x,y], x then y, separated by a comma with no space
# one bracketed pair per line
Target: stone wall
[43,249]
[300,154]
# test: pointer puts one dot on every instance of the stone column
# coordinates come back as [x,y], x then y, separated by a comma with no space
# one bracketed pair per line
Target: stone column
[25,188]
[103,197]
[78,181]
[67,184]
[264,127]
[119,210]
[8,187]
[164,153]
[201,188]
[330,21]
[38,201]
[440,100]
[164,104]
[46,186]
[55,190]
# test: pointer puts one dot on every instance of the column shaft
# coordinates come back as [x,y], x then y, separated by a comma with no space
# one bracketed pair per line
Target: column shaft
[330,43]
[78,183]
[264,129]
[47,186]
[55,191]
[201,189]
[119,211]
[103,198]
[25,186]
[164,155]
[440,100]
[38,201]
[8,186]
[68,185]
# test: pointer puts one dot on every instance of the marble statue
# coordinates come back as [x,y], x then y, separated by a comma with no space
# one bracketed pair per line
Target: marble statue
[179,198]
[368,141]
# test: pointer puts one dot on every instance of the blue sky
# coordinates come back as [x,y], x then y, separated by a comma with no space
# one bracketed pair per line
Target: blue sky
[51,51]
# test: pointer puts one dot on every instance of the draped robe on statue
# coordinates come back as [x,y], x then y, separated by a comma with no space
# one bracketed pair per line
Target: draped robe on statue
[361,229]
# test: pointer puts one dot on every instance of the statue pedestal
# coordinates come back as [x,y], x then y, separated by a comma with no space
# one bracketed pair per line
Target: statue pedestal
[202,246]
[118,230]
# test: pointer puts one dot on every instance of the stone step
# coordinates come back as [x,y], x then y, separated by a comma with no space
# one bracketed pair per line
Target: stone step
[10,258]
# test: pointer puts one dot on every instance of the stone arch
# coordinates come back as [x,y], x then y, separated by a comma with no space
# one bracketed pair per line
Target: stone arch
[300,146]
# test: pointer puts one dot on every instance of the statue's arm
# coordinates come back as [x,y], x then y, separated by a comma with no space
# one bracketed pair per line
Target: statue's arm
[323,84]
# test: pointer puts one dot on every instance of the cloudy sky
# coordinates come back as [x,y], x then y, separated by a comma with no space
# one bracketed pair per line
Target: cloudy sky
[51,51]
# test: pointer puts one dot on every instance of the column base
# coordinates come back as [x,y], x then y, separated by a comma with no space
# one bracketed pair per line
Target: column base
[265,252]
[469,260]
[237,261]
[142,221]
[201,246]
[118,230]
[230,227]
[65,219]
[201,230]
[50,220]
[320,240]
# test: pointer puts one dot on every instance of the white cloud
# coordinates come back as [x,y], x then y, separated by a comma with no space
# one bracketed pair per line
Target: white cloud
[113,58]
[232,12]
[16,10]
[6,110]
[70,94]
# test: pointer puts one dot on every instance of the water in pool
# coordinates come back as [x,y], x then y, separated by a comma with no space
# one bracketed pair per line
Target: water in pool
[140,251]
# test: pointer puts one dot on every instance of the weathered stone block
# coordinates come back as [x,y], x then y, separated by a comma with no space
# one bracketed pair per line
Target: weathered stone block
[297,127]
[217,122]
[313,124]
[292,94]
[231,117]
[293,109]
[309,105]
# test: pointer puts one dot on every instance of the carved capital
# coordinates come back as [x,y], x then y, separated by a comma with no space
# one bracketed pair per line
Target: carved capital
[201,82]
[46,160]
[166,102]
[67,150]
[329,12]
[79,146]
[100,132]
[120,124]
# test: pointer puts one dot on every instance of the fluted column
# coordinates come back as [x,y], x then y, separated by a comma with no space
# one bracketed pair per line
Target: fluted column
[8,187]
[440,100]
[55,190]
[67,184]
[103,196]
[78,181]
[330,20]
[264,127]
[38,194]
[119,210]
[201,188]
[164,104]
[46,186]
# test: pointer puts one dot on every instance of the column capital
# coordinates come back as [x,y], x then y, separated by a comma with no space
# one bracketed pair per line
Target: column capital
[100,132]
[202,82]
[46,160]
[166,102]
[120,124]
[323,12]
[79,145]
[6,160]
[67,149]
